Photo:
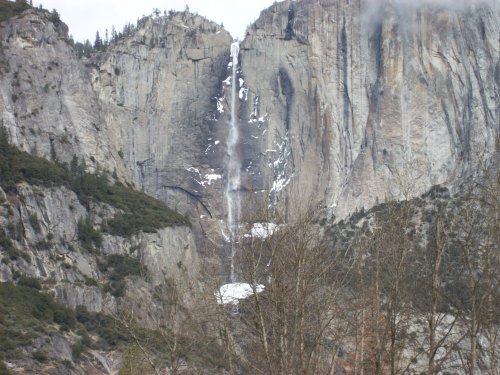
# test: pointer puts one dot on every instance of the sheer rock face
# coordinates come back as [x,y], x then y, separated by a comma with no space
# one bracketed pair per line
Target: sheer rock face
[373,101]
[43,224]
[145,109]
[55,105]
[47,102]
[49,220]
[340,102]
[347,102]
[157,89]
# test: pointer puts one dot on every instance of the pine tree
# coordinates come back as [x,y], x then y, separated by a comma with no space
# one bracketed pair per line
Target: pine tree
[98,42]
[54,17]
[114,35]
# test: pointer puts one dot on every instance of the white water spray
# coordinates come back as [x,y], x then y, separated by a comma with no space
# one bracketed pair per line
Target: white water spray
[233,164]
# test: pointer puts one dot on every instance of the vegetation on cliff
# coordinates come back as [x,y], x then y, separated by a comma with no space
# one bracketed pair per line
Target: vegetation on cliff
[405,287]
[10,9]
[27,313]
[139,212]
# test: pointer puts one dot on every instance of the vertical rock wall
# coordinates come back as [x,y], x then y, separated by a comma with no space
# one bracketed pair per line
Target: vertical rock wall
[344,103]
[47,103]
[158,89]
[378,100]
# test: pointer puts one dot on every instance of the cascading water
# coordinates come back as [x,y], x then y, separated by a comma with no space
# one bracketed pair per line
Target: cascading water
[233,164]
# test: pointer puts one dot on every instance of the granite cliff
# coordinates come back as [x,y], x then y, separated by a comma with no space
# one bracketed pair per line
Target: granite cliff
[336,98]
[349,102]
[369,98]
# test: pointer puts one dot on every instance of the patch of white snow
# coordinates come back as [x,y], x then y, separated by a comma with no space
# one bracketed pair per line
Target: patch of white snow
[193,169]
[232,293]
[226,237]
[243,93]
[209,178]
[220,106]
[263,230]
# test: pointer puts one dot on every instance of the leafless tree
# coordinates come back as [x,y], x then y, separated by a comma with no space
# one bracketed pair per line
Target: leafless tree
[476,261]
[298,323]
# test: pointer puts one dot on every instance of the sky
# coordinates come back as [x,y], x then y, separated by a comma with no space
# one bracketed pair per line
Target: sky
[85,17]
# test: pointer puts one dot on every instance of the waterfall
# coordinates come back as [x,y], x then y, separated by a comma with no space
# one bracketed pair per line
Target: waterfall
[233,163]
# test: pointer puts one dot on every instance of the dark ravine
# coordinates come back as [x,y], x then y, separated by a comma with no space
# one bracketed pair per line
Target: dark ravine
[342,102]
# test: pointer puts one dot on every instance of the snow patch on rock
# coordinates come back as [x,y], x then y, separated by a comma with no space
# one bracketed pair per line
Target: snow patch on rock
[264,230]
[233,292]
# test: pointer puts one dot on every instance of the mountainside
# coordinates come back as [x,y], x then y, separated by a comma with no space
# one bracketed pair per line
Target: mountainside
[340,105]
[99,247]
[364,94]
[339,97]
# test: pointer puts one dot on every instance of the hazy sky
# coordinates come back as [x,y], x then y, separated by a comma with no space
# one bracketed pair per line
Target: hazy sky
[85,17]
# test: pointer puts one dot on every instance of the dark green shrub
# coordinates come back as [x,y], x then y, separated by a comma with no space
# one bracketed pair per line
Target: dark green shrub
[140,211]
[7,246]
[120,266]
[123,266]
[86,340]
[64,317]
[3,369]
[17,166]
[108,329]
[39,171]
[76,351]
[28,313]
[90,281]
[10,9]
[87,235]
[84,316]
[43,245]
[116,288]
[5,242]
[40,356]
[30,282]
[33,219]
